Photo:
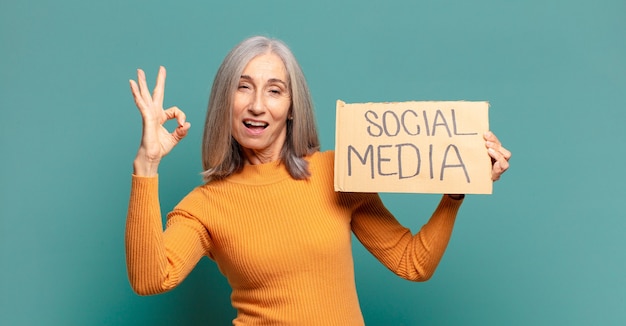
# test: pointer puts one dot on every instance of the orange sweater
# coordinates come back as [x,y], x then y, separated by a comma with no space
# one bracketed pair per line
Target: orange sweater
[283,244]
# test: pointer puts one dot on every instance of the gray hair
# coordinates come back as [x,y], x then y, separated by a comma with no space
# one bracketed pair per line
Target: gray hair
[221,154]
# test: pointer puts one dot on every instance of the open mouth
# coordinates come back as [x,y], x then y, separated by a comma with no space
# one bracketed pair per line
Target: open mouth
[255,124]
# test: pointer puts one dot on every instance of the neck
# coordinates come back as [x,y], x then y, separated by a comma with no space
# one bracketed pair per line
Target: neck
[253,157]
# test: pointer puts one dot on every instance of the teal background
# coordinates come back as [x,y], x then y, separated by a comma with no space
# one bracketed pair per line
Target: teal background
[547,248]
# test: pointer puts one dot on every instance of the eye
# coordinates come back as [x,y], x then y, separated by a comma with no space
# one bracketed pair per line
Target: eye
[244,87]
[276,90]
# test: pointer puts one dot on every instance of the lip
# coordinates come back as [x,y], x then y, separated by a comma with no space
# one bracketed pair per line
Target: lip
[254,127]
[256,123]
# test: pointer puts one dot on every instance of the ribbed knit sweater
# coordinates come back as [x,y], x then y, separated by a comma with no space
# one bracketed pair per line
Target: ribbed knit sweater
[283,244]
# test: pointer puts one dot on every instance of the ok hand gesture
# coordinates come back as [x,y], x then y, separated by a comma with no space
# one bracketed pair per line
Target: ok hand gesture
[156,140]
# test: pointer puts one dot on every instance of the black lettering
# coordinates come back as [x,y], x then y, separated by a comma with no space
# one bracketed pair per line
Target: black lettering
[385,124]
[381,159]
[443,123]
[456,133]
[430,161]
[426,123]
[403,118]
[368,153]
[444,164]
[378,127]
[400,155]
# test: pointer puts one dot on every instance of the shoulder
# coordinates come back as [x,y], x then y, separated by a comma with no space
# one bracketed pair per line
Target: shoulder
[194,200]
[325,157]
[321,162]
[203,195]
[321,167]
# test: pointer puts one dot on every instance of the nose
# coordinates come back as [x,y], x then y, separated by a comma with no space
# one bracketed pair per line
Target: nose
[257,107]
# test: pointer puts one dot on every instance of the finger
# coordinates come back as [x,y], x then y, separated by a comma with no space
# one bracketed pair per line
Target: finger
[181,131]
[498,169]
[506,153]
[159,88]
[491,141]
[143,86]
[175,113]
[134,88]
[500,164]
[495,174]
[495,155]
[499,148]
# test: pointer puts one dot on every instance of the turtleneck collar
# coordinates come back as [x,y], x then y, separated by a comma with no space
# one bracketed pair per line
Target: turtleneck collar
[261,174]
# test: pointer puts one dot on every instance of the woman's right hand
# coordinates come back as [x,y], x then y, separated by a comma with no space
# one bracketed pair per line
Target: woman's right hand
[156,141]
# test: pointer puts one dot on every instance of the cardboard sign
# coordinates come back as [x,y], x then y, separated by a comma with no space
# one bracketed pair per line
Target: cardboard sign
[421,147]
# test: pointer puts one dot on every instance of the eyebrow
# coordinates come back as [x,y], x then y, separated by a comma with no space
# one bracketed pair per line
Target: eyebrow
[271,80]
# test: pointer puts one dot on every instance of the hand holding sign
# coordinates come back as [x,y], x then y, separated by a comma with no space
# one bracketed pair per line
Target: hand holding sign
[499,155]
[428,147]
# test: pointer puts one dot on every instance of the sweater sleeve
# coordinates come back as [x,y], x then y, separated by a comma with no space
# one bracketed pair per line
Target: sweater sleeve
[413,257]
[158,260]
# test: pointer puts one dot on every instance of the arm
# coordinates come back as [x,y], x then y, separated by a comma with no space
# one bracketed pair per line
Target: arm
[150,268]
[413,257]
[158,261]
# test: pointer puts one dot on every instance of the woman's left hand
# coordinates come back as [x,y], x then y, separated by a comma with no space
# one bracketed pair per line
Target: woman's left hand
[499,155]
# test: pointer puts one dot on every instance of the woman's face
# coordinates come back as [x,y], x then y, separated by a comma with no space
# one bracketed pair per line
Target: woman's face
[261,109]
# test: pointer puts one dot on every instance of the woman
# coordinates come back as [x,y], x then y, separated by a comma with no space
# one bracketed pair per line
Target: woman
[268,214]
